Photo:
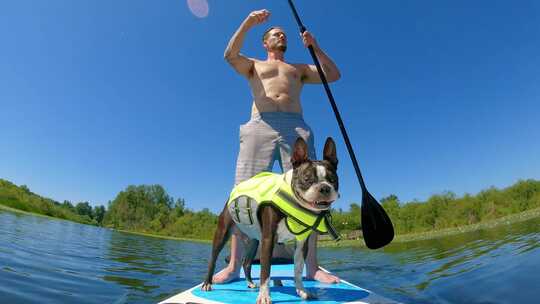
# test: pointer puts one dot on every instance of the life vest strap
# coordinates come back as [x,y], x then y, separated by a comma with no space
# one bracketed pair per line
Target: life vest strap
[237,210]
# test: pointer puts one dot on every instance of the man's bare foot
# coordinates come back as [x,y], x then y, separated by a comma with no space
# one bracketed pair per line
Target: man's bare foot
[227,274]
[324,277]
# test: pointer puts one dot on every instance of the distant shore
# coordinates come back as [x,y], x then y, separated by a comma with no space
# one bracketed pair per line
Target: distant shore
[507,220]
[163,236]
[6,208]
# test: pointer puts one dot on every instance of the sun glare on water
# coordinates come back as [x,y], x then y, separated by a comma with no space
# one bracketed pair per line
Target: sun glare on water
[199,8]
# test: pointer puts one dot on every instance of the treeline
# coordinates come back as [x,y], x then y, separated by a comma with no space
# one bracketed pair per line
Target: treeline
[447,210]
[95,214]
[21,198]
[149,209]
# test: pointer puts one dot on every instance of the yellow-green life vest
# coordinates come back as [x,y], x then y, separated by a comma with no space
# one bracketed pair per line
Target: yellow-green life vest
[271,188]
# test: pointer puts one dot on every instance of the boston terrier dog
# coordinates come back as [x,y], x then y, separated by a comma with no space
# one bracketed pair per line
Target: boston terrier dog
[273,208]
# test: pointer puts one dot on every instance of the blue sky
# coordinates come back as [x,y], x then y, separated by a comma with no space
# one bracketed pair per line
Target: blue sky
[99,95]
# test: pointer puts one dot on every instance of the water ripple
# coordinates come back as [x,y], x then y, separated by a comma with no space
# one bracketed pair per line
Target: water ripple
[63,262]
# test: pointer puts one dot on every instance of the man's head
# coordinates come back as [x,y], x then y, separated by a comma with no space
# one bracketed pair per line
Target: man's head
[274,39]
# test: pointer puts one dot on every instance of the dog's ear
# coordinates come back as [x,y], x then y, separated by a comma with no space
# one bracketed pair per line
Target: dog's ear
[329,152]
[300,153]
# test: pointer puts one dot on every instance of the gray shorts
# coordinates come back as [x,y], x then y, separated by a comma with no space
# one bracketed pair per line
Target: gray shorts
[269,137]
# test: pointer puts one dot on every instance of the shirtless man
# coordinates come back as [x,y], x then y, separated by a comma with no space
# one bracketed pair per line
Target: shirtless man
[276,118]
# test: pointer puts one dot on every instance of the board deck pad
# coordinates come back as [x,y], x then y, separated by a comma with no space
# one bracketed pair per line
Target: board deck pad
[237,291]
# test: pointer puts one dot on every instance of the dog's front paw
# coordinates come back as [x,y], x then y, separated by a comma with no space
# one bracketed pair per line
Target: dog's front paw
[251,285]
[264,299]
[206,286]
[302,293]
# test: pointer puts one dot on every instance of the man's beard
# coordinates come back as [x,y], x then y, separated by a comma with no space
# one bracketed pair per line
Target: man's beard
[281,47]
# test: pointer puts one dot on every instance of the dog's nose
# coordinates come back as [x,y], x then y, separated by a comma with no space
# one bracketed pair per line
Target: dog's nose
[325,189]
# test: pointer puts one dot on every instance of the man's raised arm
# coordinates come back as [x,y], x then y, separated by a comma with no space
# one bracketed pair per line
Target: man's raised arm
[239,62]
[330,70]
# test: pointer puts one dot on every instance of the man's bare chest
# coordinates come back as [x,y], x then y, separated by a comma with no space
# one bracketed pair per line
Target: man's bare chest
[287,72]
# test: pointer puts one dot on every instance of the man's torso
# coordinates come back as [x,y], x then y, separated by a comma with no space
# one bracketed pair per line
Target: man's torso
[276,87]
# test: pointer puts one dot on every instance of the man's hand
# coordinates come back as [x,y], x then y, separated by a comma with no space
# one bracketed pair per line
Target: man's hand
[308,39]
[311,74]
[258,17]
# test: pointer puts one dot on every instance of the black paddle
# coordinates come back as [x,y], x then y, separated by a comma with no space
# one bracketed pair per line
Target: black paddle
[377,228]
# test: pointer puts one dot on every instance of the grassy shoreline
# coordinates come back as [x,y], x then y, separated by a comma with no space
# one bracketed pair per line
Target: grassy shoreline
[167,237]
[13,210]
[7,208]
[507,220]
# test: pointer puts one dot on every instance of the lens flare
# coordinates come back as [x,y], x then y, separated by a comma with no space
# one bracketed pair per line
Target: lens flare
[199,8]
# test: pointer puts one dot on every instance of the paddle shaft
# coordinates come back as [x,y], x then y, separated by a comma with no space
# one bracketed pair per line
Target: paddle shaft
[332,101]
[377,227]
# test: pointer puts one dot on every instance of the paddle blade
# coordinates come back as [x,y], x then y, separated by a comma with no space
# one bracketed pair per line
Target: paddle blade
[377,228]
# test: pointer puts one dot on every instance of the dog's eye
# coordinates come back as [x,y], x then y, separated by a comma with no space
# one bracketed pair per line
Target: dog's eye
[331,179]
[309,178]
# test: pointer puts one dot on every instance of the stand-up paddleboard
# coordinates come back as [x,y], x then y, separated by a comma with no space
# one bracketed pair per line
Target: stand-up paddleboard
[237,292]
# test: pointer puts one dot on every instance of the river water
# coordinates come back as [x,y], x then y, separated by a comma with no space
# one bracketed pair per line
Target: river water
[44,260]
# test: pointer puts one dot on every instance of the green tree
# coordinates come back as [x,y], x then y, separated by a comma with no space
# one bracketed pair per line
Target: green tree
[391,206]
[138,207]
[99,213]
[179,207]
[25,189]
[84,208]
[69,206]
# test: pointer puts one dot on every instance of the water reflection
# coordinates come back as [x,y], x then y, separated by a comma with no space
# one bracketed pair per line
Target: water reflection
[424,271]
[152,268]
[63,262]
[137,260]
